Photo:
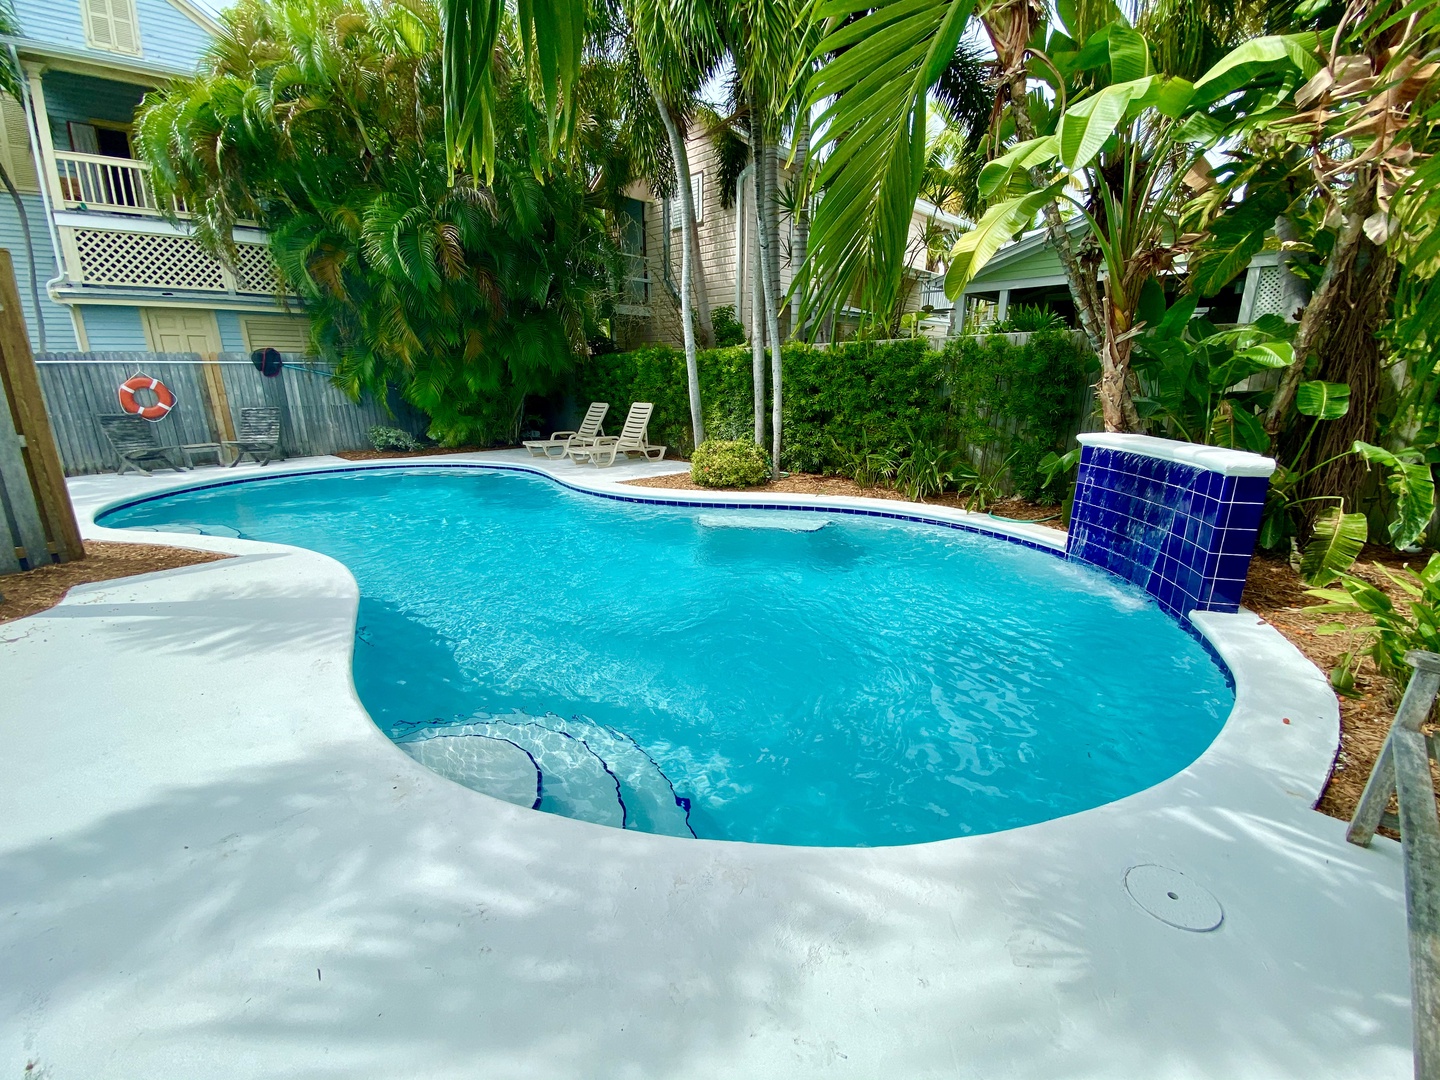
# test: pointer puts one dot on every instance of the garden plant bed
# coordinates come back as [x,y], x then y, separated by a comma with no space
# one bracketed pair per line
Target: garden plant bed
[34,591]
[427,451]
[1273,591]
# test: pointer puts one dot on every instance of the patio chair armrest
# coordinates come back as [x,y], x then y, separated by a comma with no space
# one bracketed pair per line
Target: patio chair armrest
[556,436]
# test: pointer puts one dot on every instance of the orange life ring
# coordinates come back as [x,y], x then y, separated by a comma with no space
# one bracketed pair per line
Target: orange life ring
[148,412]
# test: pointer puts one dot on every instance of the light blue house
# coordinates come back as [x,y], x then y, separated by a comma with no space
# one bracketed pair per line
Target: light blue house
[114,274]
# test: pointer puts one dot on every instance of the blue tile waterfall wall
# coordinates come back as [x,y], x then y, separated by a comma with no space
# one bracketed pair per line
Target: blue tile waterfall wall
[1178,520]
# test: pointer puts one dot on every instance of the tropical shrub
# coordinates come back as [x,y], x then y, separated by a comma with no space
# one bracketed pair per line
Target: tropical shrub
[391,438]
[726,463]
[323,121]
[1027,319]
[852,409]
[728,329]
[1394,629]
[1028,395]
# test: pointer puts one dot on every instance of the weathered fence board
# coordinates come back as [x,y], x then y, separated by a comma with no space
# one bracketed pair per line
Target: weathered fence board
[37,522]
[316,417]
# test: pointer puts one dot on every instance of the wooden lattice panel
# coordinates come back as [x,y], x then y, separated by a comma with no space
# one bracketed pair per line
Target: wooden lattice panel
[255,270]
[147,259]
[1268,293]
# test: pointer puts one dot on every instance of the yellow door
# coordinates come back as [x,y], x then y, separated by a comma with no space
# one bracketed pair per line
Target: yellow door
[181,330]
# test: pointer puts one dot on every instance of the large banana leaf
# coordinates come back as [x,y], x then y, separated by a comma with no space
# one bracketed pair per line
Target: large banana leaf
[1274,57]
[1323,400]
[1336,543]
[1001,224]
[873,81]
[1413,486]
[553,36]
[999,175]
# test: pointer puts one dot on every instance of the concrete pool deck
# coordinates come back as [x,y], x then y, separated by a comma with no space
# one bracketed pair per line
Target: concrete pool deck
[212,864]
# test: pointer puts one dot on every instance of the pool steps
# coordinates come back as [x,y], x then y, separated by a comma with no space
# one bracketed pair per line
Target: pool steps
[573,767]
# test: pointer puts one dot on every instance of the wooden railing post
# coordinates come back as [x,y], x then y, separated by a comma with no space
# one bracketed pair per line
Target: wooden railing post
[1403,770]
[27,412]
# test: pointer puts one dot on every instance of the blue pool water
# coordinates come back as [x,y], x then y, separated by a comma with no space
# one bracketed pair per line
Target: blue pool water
[868,682]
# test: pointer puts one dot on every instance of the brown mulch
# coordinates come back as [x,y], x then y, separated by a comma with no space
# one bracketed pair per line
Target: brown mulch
[37,590]
[375,455]
[811,484]
[1273,591]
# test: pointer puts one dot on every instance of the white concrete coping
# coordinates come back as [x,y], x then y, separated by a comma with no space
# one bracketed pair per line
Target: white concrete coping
[1217,459]
[213,863]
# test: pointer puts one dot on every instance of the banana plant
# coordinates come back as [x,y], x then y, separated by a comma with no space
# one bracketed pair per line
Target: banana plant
[1126,156]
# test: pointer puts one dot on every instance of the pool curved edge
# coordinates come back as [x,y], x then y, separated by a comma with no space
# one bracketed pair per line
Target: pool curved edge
[1281,736]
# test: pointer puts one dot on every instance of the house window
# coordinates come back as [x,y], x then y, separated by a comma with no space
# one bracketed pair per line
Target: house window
[111,25]
[697,193]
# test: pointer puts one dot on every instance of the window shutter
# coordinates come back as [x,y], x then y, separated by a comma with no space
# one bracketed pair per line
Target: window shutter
[111,25]
[15,145]
[123,25]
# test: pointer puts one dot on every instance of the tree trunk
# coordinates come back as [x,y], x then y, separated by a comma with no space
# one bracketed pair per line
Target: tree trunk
[687,218]
[690,233]
[769,272]
[1117,405]
[1340,329]
[801,249]
[757,309]
[770,208]
[29,256]
[1010,29]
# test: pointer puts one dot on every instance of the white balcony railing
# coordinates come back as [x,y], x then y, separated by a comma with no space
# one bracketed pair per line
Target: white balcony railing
[119,185]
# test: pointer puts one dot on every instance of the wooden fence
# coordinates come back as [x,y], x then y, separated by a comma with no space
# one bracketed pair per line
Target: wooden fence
[210,391]
[37,523]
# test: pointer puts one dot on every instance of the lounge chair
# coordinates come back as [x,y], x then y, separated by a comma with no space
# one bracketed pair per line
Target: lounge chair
[136,443]
[586,434]
[259,436]
[633,439]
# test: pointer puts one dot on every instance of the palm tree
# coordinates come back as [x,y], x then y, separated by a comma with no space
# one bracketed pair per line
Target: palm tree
[769,43]
[678,48]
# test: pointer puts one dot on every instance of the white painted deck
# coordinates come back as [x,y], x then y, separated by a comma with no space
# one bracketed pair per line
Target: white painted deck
[212,864]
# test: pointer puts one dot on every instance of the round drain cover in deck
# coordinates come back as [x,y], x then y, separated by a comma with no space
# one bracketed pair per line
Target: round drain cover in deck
[1173,898]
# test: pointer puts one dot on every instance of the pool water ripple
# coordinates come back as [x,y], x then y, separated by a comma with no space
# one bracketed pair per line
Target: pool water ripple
[868,682]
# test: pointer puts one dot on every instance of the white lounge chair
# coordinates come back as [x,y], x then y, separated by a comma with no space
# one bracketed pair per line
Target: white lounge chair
[633,439]
[586,434]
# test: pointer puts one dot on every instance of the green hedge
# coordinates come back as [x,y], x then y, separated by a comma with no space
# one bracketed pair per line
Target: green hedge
[881,395]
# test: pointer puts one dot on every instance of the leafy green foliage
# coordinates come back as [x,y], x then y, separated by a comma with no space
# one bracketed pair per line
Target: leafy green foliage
[322,120]
[1335,543]
[928,467]
[1028,395]
[1394,630]
[1412,490]
[1027,319]
[392,438]
[728,329]
[854,408]
[728,463]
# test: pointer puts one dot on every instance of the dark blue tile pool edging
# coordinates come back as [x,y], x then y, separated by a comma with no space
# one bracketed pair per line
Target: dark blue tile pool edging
[1049,549]
[1181,531]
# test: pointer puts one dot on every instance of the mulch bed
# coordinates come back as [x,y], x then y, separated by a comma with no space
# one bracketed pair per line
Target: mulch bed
[1273,591]
[37,590]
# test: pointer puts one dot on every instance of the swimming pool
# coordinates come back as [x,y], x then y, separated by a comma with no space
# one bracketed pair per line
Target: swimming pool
[704,672]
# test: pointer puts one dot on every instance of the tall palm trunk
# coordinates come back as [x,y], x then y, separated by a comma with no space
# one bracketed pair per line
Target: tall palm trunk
[801,249]
[1010,25]
[29,257]
[757,307]
[770,280]
[770,207]
[704,324]
[687,219]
